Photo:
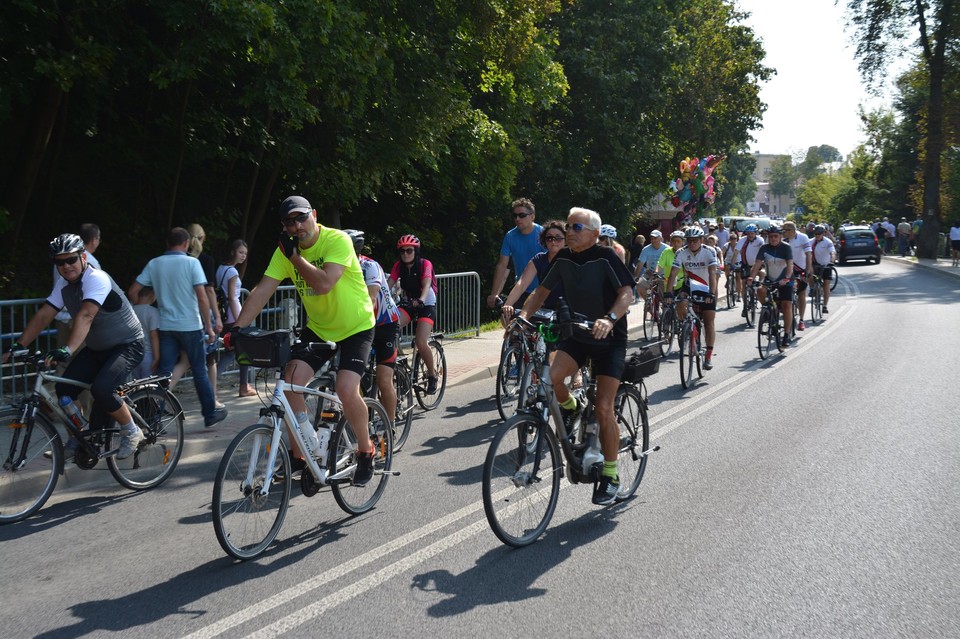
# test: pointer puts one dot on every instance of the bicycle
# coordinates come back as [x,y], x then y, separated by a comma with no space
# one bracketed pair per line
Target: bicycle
[749,304]
[251,491]
[523,466]
[835,275]
[769,328]
[33,450]
[731,289]
[651,308]
[690,341]
[669,327]
[816,299]
[419,377]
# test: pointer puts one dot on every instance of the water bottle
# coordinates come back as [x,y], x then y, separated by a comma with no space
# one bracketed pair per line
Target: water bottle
[323,443]
[309,435]
[73,411]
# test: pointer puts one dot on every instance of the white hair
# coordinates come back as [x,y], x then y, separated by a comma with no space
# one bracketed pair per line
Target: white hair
[593,217]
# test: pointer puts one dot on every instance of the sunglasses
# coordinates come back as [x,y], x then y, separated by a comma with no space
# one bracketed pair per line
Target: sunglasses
[521,215]
[296,219]
[67,260]
[407,250]
[553,238]
[576,227]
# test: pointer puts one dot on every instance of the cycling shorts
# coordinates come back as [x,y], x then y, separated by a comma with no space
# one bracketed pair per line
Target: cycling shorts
[700,306]
[784,291]
[385,340]
[824,272]
[427,314]
[608,359]
[354,351]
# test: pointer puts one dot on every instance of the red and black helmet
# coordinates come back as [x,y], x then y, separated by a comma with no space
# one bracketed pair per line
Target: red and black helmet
[409,240]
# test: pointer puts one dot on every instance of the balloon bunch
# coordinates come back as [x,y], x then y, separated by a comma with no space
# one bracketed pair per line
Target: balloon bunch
[695,184]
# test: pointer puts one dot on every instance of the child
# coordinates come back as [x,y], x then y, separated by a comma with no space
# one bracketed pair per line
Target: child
[149,318]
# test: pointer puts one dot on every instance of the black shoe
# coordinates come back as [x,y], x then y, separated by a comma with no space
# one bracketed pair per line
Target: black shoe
[217,416]
[296,465]
[571,417]
[824,309]
[785,342]
[364,472]
[743,313]
[431,385]
[606,491]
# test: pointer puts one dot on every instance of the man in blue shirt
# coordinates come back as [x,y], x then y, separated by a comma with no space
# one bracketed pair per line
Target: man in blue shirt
[521,243]
[178,281]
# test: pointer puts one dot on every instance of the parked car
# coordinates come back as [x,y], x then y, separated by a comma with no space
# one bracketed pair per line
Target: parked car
[857,243]
[739,222]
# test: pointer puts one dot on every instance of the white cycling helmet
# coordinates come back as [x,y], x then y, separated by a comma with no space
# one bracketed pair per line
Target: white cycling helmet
[608,230]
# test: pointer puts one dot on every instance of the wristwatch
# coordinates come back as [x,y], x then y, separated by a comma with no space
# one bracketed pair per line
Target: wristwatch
[612,317]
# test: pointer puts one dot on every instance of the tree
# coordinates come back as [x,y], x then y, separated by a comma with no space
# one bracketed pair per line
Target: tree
[880,30]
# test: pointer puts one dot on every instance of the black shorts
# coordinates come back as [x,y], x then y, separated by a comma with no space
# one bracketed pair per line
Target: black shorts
[608,359]
[745,270]
[700,306]
[426,314]
[955,245]
[824,272]
[354,351]
[784,292]
[385,340]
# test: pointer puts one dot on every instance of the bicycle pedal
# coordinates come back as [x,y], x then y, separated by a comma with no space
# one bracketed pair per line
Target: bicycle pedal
[392,473]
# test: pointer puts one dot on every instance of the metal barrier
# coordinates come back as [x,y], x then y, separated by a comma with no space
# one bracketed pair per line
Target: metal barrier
[458,315]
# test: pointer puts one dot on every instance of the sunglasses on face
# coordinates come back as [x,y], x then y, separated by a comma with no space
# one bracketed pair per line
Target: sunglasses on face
[520,215]
[67,260]
[576,227]
[553,238]
[296,219]
[406,250]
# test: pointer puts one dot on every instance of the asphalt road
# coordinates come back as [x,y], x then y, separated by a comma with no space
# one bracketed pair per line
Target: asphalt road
[814,495]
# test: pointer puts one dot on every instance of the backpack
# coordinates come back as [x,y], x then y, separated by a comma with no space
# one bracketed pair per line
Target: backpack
[222,297]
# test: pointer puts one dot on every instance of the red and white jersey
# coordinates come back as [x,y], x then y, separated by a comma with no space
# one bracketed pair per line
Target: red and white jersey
[696,266]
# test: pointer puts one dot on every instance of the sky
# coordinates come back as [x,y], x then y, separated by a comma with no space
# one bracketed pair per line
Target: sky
[814,97]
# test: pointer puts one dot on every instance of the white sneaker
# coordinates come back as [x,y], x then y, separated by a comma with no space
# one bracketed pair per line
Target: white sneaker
[129,443]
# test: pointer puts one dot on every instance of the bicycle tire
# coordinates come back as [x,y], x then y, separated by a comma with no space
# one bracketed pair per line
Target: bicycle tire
[668,329]
[731,293]
[650,317]
[631,412]
[25,490]
[518,499]
[816,305]
[763,333]
[403,417]
[697,347]
[159,451]
[509,377]
[245,521]
[750,304]
[353,499]
[686,362]
[426,401]
[836,276]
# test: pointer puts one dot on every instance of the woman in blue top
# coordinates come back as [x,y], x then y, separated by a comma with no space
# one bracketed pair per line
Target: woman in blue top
[552,238]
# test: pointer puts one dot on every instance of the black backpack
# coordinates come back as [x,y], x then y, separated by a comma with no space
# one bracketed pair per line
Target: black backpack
[222,297]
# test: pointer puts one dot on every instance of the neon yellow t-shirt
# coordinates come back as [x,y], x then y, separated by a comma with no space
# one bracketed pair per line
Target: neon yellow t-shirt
[666,265]
[346,309]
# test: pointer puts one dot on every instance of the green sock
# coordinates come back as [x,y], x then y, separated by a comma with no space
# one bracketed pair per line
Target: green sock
[610,469]
[570,404]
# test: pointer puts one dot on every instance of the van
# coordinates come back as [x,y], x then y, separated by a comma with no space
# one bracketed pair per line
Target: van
[742,221]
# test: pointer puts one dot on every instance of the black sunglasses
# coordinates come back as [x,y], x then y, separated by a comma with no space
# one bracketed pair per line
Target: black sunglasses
[67,260]
[296,219]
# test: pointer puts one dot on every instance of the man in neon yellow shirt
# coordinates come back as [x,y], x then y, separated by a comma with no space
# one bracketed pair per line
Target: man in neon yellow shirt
[665,263]
[326,271]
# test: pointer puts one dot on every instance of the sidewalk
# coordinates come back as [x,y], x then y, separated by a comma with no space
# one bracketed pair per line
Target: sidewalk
[941,264]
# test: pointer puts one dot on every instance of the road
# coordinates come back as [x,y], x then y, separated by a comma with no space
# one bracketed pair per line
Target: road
[812,495]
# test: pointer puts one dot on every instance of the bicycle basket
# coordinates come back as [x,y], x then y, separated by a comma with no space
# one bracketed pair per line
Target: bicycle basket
[263,349]
[641,363]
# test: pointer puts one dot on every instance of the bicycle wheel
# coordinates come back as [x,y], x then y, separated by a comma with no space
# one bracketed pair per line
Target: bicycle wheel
[697,347]
[354,499]
[426,401]
[245,520]
[520,491]
[651,316]
[836,276]
[25,486]
[763,333]
[668,329]
[750,305]
[816,304]
[631,413]
[776,333]
[158,453]
[731,293]
[403,418]
[686,357]
[509,376]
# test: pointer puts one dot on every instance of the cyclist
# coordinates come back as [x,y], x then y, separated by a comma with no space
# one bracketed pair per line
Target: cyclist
[824,253]
[665,263]
[802,265]
[324,268]
[104,319]
[777,258]
[729,251]
[699,265]
[647,263]
[553,239]
[520,243]
[747,248]
[418,286]
[386,334]
[608,237]
[598,285]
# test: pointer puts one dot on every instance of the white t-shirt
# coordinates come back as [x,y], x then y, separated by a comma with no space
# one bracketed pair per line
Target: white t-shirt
[801,246]
[954,233]
[823,251]
[752,248]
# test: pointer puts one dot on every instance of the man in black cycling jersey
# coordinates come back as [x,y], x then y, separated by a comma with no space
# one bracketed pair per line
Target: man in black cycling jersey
[777,257]
[598,285]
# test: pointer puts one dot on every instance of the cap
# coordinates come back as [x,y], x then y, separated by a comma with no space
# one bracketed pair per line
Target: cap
[294,204]
[656,234]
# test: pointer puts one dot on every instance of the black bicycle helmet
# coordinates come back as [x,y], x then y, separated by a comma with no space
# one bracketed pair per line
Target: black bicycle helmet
[694,232]
[66,243]
[357,237]
[774,228]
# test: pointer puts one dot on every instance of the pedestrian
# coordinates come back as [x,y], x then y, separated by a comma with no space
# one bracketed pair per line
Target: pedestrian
[636,247]
[228,278]
[149,318]
[197,238]
[520,244]
[723,235]
[179,284]
[903,236]
[955,242]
